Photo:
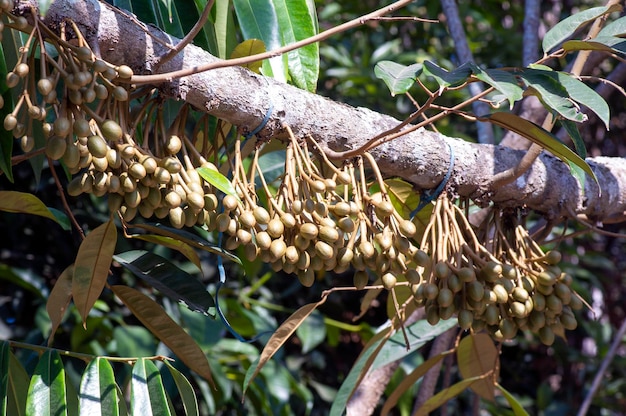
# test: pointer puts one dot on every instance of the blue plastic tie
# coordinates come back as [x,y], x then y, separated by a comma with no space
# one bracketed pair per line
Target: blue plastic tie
[429,196]
[263,122]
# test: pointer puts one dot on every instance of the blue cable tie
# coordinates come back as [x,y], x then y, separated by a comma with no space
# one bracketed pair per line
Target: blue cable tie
[263,122]
[429,196]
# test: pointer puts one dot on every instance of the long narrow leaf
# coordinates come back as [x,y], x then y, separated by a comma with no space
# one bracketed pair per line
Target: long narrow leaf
[46,393]
[518,409]
[566,28]
[542,137]
[398,78]
[147,394]
[279,337]
[172,243]
[98,390]
[503,81]
[59,299]
[91,268]
[160,324]
[170,280]
[24,203]
[187,394]
[297,23]
[18,387]
[444,395]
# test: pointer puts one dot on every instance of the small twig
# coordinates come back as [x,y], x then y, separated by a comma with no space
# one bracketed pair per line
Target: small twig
[66,206]
[617,341]
[166,77]
[188,37]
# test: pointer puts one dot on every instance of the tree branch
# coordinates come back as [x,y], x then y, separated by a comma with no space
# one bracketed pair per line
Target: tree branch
[242,98]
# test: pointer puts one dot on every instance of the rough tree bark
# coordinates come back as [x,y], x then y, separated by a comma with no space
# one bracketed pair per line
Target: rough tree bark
[422,157]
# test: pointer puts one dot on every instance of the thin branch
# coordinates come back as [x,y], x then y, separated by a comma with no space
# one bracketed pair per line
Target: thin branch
[359,21]
[188,37]
[617,341]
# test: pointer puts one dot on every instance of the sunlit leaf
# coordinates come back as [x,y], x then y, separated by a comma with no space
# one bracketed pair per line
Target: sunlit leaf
[399,78]
[447,78]
[248,48]
[147,394]
[186,391]
[410,379]
[518,409]
[403,196]
[298,22]
[170,280]
[610,44]
[583,94]
[444,395]
[91,268]
[502,81]
[18,387]
[59,299]
[258,20]
[172,243]
[543,138]
[98,390]
[46,392]
[189,238]
[279,337]
[5,354]
[218,180]
[24,203]
[477,355]
[160,324]
[224,28]
[567,27]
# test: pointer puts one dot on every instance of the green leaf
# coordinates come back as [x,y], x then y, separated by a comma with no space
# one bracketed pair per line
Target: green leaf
[477,356]
[170,280]
[188,238]
[18,387]
[574,134]
[552,93]
[221,182]
[248,48]
[171,243]
[98,390]
[502,81]
[615,28]
[544,138]
[399,78]
[258,20]
[447,78]
[46,392]
[444,395]
[410,380]
[147,394]
[59,299]
[298,22]
[163,327]
[278,338]
[187,394]
[566,28]
[583,94]
[312,332]
[24,203]
[402,195]
[5,352]
[91,268]
[518,409]
[418,335]
[609,44]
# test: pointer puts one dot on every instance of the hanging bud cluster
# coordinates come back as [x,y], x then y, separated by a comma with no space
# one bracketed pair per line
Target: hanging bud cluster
[511,286]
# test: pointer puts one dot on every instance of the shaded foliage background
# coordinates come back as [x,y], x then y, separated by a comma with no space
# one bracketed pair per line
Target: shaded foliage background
[304,376]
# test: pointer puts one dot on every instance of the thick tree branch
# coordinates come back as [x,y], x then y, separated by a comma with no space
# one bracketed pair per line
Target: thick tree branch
[242,98]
